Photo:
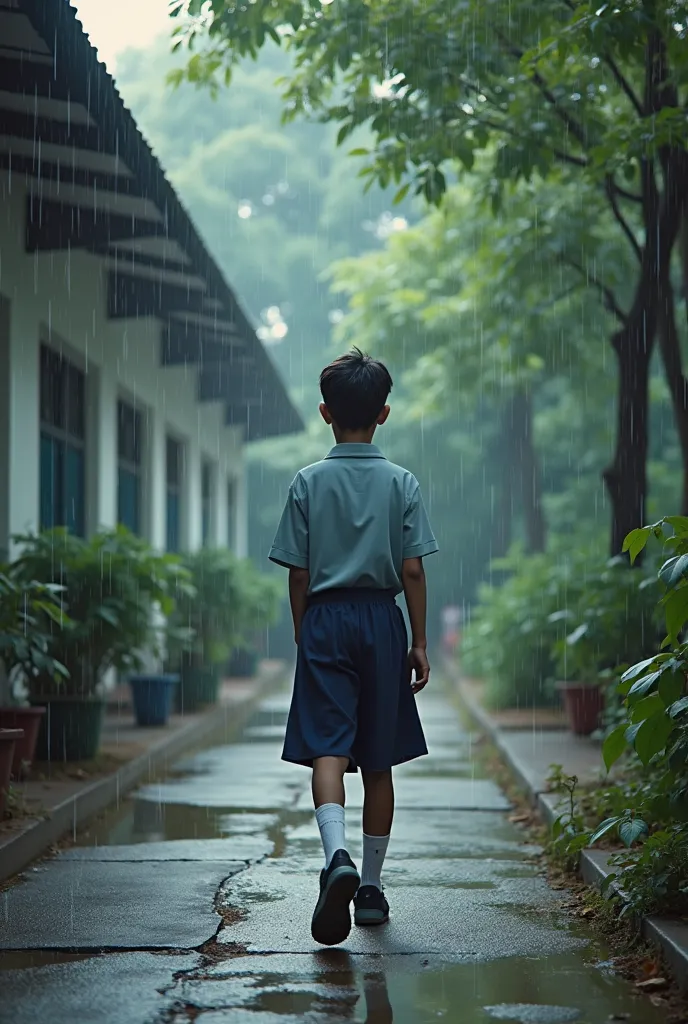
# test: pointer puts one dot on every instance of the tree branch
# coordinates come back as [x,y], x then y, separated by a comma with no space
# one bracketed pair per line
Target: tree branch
[571,123]
[632,197]
[610,190]
[608,296]
[624,85]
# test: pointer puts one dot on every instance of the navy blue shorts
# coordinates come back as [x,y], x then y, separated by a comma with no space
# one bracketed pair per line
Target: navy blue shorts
[352,695]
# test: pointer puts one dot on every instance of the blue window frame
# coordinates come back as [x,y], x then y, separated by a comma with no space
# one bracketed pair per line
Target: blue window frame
[231,514]
[206,502]
[129,467]
[62,457]
[174,474]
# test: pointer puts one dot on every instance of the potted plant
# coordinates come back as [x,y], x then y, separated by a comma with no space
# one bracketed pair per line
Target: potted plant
[205,625]
[111,584]
[27,610]
[258,603]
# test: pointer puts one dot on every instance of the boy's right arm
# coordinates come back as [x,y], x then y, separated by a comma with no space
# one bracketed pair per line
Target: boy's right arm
[413,579]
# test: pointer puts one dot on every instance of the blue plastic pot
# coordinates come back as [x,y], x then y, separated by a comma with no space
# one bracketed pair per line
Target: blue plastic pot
[153,698]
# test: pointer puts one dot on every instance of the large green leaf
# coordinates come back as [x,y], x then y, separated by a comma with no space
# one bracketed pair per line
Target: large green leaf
[636,540]
[631,830]
[652,736]
[614,746]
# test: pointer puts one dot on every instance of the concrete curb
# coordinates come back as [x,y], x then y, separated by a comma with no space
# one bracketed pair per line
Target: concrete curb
[220,722]
[671,937]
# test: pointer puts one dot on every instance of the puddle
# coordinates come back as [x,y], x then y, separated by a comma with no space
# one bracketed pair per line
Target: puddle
[21,960]
[334,986]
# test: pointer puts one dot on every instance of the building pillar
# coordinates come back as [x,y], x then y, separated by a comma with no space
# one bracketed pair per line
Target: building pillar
[241,513]
[221,507]
[192,525]
[154,479]
[101,451]
[19,423]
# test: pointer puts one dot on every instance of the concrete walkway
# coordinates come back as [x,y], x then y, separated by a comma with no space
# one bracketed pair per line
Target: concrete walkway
[193,903]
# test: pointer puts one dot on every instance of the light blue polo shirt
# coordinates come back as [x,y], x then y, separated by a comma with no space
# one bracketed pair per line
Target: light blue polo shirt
[351,520]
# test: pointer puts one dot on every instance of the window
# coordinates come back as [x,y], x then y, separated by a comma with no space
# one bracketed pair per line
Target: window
[206,501]
[175,470]
[231,514]
[62,460]
[129,467]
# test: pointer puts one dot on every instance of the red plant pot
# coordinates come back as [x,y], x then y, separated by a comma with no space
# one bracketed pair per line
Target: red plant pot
[584,705]
[8,739]
[28,719]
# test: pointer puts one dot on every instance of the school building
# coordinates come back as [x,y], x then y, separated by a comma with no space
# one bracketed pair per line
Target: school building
[130,377]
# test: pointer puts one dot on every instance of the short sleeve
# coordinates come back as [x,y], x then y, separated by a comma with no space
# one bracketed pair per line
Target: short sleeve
[290,547]
[419,539]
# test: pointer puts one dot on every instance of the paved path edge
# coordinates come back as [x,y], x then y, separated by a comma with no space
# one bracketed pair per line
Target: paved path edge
[219,721]
[670,936]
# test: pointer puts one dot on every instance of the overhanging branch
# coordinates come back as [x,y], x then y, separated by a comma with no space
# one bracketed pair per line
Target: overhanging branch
[608,296]
[610,190]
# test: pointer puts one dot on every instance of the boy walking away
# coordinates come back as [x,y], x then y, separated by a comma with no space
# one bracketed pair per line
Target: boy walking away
[353,535]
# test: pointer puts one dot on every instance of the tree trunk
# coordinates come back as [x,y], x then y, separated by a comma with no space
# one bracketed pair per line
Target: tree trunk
[503,509]
[670,346]
[626,477]
[528,471]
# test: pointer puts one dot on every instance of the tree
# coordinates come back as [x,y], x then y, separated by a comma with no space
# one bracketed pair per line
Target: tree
[596,88]
[482,306]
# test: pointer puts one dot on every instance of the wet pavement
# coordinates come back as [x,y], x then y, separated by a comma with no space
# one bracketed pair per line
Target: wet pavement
[192,902]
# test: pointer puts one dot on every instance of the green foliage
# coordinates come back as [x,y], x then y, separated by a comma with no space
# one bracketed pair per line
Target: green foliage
[568,614]
[110,585]
[656,724]
[610,621]
[29,612]
[228,601]
[569,834]
[539,90]
[653,879]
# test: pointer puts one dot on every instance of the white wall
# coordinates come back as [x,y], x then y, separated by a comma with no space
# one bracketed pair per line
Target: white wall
[60,299]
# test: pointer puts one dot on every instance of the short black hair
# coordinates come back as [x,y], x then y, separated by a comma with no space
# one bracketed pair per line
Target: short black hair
[355,388]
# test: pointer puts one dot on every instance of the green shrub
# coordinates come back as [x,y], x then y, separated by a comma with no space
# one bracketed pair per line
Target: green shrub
[229,602]
[110,584]
[569,614]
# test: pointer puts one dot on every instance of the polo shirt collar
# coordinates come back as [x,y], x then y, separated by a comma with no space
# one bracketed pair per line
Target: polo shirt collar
[355,451]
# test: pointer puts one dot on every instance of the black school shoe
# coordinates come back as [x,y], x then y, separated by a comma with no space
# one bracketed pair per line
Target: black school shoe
[370,906]
[339,883]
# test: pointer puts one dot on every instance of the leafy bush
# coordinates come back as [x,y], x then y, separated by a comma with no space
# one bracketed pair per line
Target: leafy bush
[111,584]
[229,601]
[654,690]
[29,612]
[568,615]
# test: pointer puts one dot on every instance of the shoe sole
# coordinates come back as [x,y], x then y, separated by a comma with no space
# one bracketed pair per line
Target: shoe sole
[332,917]
[368,918]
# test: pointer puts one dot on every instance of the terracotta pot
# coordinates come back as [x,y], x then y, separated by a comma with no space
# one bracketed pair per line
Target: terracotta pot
[8,739]
[28,719]
[584,705]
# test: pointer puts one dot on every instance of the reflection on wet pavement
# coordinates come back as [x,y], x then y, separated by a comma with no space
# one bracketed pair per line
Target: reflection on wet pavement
[475,933]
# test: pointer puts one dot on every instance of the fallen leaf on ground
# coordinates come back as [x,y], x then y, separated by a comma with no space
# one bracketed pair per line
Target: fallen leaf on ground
[520,817]
[652,983]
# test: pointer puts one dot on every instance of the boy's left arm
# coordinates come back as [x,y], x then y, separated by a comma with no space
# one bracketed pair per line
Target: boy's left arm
[299,580]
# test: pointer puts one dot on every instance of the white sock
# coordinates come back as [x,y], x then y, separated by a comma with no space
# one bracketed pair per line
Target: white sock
[330,819]
[374,850]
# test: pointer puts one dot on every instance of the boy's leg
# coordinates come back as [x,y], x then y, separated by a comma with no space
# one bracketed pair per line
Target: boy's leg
[328,798]
[339,879]
[378,812]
